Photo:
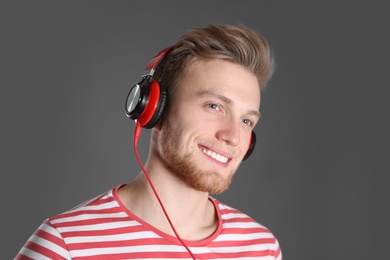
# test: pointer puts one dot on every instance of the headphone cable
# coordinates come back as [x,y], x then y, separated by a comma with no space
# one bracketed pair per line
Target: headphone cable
[137,133]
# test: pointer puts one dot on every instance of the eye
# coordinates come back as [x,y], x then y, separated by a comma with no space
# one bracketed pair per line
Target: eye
[247,122]
[213,106]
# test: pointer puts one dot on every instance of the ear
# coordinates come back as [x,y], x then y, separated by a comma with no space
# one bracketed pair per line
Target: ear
[158,126]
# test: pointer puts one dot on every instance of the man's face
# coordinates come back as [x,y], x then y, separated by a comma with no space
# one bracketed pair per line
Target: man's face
[208,130]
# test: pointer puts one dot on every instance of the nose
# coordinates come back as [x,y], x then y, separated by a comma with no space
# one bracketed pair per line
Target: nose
[229,132]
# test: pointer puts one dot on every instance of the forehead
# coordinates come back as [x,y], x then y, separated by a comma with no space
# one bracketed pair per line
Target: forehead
[224,78]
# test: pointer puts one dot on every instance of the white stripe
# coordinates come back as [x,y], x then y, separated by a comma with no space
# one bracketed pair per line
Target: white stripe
[50,230]
[127,249]
[239,249]
[82,204]
[49,245]
[32,254]
[108,205]
[108,194]
[111,238]
[190,258]
[243,237]
[242,225]
[247,258]
[234,215]
[230,249]
[89,217]
[104,226]
[222,207]
[195,250]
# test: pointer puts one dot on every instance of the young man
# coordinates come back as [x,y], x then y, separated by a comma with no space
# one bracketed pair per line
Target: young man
[202,103]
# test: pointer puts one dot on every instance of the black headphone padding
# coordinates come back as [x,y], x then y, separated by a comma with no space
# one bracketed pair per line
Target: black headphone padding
[160,107]
[251,146]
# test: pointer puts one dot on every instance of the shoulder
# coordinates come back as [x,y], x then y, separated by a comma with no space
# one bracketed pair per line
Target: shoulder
[240,229]
[232,215]
[60,234]
[103,206]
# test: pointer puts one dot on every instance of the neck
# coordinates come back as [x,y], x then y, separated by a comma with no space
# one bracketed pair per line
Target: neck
[183,204]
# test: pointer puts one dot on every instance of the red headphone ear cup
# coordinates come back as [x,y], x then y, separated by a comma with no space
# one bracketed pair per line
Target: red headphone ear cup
[160,105]
[150,100]
[252,145]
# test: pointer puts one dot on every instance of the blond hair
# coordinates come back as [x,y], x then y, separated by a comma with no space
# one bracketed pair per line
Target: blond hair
[239,45]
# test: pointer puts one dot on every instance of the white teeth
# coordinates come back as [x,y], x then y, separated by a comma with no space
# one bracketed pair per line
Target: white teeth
[218,157]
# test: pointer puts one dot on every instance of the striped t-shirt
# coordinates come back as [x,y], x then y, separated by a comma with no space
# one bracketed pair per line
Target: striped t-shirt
[103,228]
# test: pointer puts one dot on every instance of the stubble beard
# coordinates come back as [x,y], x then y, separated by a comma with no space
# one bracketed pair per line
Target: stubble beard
[183,165]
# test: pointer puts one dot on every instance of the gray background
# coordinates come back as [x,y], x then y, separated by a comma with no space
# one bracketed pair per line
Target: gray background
[317,178]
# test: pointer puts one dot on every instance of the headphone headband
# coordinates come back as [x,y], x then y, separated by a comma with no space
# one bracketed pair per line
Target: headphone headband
[153,63]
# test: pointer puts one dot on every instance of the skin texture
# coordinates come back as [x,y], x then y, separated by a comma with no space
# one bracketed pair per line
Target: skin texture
[196,150]
[214,112]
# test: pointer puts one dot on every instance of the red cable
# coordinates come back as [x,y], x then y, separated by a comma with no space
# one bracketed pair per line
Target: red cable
[137,133]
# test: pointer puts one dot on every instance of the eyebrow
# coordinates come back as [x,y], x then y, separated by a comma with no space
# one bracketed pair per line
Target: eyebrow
[226,100]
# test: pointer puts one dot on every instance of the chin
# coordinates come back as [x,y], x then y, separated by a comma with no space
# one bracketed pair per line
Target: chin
[211,182]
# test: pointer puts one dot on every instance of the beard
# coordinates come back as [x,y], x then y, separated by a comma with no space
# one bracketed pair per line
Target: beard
[183,165]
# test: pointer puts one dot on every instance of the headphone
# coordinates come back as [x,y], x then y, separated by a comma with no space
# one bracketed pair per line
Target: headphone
[146,100]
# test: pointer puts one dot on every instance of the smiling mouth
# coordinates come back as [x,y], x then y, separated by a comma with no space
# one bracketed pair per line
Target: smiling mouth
[216,156]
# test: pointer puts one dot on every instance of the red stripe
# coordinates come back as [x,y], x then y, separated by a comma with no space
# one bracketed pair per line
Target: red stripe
[22,257]
[124,243]
[270,244]
[47,236]
[42,250]
[112,231]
